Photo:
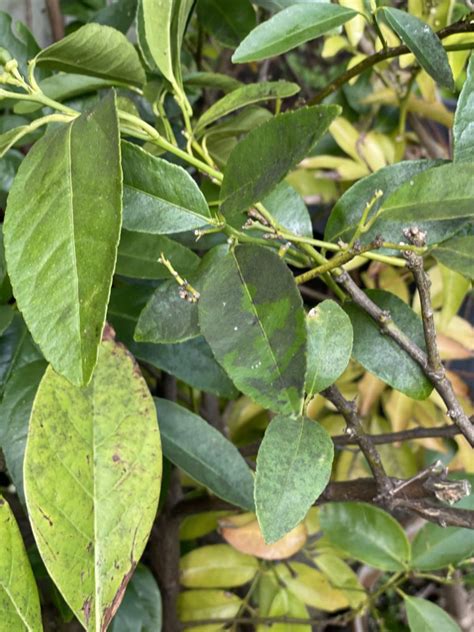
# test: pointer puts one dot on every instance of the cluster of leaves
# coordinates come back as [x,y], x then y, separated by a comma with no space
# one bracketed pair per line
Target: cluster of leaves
[183,223]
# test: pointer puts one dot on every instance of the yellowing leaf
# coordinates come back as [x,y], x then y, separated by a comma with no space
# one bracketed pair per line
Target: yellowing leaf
[216,566]
[312,587]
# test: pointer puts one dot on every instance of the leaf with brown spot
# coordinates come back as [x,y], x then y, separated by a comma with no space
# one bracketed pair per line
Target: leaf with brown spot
[92,481]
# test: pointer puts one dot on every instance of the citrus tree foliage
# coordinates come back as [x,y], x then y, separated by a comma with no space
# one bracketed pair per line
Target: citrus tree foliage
[233,250]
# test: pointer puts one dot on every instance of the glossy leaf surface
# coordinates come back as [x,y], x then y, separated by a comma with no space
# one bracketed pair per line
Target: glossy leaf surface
[329,345]
[291,28]
[267,153]
[204,454]
[463,128]
[61,234]
[366,533]
[96,50]
[424,616]
[293,467]
[159,197]
[92,481]
[251,314]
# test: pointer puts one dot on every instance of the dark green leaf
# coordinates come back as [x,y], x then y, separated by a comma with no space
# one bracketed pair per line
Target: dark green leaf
[290,28]
[15,412]
[138,256]
[6,317]
[293,467]
[425,616]
[367,534]
[349,209]
[204,454]
[140,610]
[251,314]
[267,154]
[229,21]
[92,481]
[16,349]
[436,547]
[215,80]
[329,345]
[19,600]
[463,129]
[191,361]
[95,50]
[120,15]
[21,45]
[8,168]
[423,43]
[159,197]
[457,254]
[244,96]
[68,194]
[381,355]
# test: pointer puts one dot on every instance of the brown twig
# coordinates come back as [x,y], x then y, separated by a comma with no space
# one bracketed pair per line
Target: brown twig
[403,435]
[356,431]
[463,26]
[56,19]
[387,326]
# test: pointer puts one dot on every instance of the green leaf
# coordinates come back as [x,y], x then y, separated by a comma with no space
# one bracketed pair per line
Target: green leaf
[381,355]
[194,605]
[215,80]
[267,154]
[349,209]
[229,21]
[120,15]
[167,317]
[92,481]
[138,255]
[6,317]
[436,547]
[289,209]
[205,454]
[244,96]
[329,345]
[15,412]
[191,361]
[12,136]
[19,600]
[425,616]
[367,534]
[463,130]
[95,50]
[290,28]
[61,233]
[159,197]
[251,314]
[21,44]
[140,610]
[340,574]
[423,43]
[457,254]
[293,467]
[17,349]
[217,566]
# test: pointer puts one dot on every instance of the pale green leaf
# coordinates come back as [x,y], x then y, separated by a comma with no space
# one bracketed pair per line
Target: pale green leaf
[267,153]
[61,233]
[95,50]
[463,128]
[367,534]
[244,96]
[92,481]
[204,604]
[205,454]
[290,28]
[217,566]
[426,616]
[381,355]
[423,43]
[293,467]
[329,345]
[159,197]
[312,587]
[19,600]
[251,314]
[9,138]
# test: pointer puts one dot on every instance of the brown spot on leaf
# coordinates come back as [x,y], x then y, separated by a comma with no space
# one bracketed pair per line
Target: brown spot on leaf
[108,333]
[46,517]
[2,502]
[110,611]
[87,609]
[116,458]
